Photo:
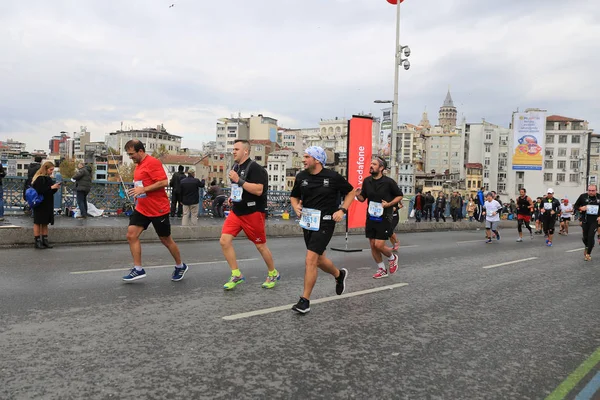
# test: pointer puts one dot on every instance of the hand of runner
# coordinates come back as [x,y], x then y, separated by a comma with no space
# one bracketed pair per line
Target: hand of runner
[234,176]
[136,191]
[338,215]
[385,204]
[298,210]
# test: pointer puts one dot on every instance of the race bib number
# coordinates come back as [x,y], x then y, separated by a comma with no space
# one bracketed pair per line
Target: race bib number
[139,184]
[236,193]
[592,210]
[547,206]
[310,219]
[375,211]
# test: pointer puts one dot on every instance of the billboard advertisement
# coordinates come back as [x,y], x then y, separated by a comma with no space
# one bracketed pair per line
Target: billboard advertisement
[528,138]
[360,139]
[384,146]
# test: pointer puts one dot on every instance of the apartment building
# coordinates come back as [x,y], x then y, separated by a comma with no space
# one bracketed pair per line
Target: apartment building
[154,139]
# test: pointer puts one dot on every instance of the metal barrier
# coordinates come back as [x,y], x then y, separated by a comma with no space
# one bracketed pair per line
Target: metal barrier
[110,197]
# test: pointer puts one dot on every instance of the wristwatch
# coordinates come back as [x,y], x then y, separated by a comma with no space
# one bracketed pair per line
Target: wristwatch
[344,210]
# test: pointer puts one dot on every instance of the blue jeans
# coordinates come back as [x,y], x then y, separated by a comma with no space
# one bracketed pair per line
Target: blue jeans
[1,202]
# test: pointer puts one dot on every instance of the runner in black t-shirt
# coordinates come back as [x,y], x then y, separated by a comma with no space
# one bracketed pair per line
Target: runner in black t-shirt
[314,199]
[383,194]
[524,210]
[589,218]
[249,198]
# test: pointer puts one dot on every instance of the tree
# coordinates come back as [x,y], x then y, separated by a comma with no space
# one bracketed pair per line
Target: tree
[67,168]
[114,152]
[161,151]
[126,172]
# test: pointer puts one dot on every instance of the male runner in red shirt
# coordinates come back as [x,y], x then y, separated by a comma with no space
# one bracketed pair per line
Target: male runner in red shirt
[152,206]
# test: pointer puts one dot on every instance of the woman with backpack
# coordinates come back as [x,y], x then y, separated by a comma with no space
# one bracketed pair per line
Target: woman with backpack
[43,213]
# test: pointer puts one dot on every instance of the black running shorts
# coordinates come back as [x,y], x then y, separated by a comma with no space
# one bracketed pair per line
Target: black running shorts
[317,241]
[162,224]
[380,230]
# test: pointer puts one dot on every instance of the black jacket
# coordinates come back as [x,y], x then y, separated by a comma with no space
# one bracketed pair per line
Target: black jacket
[176,182]
[84,179]
[190,193]
[2,173]
[31,170]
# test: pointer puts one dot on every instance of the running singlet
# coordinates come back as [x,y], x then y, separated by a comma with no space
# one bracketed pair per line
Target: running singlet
[523,206]
[376,191]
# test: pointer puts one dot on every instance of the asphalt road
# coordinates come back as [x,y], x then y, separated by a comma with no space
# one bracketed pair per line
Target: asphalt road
[71,329]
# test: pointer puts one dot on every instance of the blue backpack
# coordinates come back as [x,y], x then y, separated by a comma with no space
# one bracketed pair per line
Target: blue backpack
[33,198]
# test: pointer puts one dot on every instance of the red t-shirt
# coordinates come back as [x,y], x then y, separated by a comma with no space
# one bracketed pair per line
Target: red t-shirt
[155,203]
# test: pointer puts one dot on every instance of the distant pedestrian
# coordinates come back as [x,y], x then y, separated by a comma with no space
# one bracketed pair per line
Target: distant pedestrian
[43,214]
[202,194]
[440,207]
[454,206]
[419,205]
[31,170]
[218,199]
[151,207]
[190,197]
[175,184]
[83,185]
[491,211]
[471,209]
[428,208]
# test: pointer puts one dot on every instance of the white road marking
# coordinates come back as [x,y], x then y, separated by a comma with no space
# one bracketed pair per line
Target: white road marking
[318,301]
[574,250]
[9,226]
[471,241]
[401,247]
[155,266]
[363,268]
[510,262]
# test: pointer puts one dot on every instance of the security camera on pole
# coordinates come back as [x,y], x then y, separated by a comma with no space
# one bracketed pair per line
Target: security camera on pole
[398,60]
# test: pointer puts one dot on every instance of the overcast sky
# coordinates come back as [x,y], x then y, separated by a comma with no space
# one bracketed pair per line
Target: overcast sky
[72,63]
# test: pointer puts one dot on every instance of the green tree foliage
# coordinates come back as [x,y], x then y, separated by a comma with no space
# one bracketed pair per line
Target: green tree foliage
[161,151]
[68,167]
[126,171]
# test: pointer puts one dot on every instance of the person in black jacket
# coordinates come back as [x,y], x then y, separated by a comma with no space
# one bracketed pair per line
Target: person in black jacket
[440,207]
[588,205]
[428,208]
[31,170]
[83,179]
[43,214]
[190,197]
[550,211]
[175,184]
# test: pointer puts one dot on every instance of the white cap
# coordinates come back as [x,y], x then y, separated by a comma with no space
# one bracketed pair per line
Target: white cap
[551,191]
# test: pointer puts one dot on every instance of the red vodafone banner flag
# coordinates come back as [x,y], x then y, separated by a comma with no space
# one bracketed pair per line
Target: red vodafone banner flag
[360,134]
[394,1]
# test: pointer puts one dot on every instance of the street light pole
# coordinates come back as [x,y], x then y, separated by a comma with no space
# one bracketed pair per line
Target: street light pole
[397,60]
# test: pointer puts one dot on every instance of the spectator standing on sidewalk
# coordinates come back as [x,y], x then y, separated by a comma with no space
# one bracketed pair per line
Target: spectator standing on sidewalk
[218,199]
[480,200]
[471,208]
[428,209]
[175,184]
[83,185]
[440,207]
[43,214]
[419,204]
[454,206]
[190,198]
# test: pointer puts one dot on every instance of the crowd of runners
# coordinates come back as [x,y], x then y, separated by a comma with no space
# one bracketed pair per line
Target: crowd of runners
[321,198]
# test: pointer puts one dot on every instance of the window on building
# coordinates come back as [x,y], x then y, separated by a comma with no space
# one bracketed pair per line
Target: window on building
[487,161]
[575,139]
[501,187]
[275,178]
[549,151]
[488,148]
[562,151]
[548,164]
[562,138]
[547,177]
[275,167]
[488,136]
[574,152]
[561,164]
[257,158]
[574,178]
[574,164]
[560,177]
[520,175]
[486,174]
[550,139]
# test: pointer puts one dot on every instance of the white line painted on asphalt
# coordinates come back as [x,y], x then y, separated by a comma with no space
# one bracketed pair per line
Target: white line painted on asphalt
[155,266]
[9,226]
[510,262]
[471,241]
[401,247]
[318,301]
[363,268]
[574,250]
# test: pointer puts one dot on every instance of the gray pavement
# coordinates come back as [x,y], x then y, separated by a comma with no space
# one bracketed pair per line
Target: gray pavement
[71,329]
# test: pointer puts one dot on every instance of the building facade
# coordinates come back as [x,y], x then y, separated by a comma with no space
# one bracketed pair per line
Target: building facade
[154,139]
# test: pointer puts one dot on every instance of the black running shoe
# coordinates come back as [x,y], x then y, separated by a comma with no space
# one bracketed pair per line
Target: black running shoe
[302,306]
[340,282]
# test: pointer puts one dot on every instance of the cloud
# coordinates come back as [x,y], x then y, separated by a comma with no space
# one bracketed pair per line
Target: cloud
[99,63]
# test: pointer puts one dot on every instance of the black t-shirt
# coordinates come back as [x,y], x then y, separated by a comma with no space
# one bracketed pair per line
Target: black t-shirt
[251,203]
[584,200]
[555,207]
[384,188]
[321,191]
